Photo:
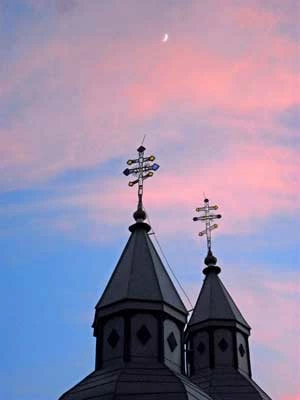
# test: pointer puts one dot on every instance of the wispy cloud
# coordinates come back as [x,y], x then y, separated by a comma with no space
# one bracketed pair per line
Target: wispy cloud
[82,97]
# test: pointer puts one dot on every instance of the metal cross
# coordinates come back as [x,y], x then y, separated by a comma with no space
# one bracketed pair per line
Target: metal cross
[143,166]
[207,218]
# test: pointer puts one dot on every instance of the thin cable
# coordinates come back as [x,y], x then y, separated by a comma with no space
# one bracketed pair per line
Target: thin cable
[169,266]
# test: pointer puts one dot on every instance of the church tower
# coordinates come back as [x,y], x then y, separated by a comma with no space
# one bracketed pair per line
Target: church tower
[139,322]
[217,335]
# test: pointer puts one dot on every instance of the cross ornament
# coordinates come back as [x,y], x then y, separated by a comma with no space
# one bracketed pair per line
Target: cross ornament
[207,218]
[143,170]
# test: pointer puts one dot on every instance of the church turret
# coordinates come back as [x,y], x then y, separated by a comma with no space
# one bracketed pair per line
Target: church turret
[217,328]
[139,322]
[140,314]
[217,334]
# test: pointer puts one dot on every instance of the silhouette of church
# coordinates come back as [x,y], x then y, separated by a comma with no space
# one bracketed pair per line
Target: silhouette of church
[146,349]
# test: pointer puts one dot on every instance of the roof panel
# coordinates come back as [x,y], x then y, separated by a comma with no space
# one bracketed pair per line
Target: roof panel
[214,302]
[137,383]
[230,384]
[140,275]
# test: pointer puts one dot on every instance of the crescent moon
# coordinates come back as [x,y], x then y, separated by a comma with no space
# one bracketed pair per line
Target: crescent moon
[165,38]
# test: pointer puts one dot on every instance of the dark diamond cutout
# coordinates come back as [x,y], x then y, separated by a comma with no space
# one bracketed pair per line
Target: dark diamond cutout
[172,342]
[143,335]
[113,338]
[242,350]
[223,345]
[201,347]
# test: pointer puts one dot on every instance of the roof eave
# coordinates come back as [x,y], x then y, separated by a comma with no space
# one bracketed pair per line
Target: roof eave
[218,323]
[139,305]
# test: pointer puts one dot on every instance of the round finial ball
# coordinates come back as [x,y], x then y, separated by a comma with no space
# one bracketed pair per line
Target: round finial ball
[139,214]
[206,200]
[210,259]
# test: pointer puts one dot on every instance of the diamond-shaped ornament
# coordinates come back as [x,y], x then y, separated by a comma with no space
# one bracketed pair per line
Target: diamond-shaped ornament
[242,350]
[172,342]
[141,149]
[143,335]
[113,338]
[223,344]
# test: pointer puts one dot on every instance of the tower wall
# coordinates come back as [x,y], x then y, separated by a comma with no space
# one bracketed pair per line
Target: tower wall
[223,347]
[242,353]
[110,346]
[201,353]
[144,340]
[172,345]
[139,337]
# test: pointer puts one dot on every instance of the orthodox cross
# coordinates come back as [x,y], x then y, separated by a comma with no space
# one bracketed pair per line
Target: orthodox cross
[207,218]
[143,170]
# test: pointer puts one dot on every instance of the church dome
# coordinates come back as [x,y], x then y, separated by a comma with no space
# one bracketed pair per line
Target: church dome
[136,381]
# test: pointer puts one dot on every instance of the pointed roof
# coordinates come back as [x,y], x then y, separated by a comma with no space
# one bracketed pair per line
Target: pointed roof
[154,381]
[229,383]
[214,301]
[140,274]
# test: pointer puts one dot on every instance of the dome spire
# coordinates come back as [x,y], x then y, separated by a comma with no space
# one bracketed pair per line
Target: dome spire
[217,334]
[210,259]
[143,170]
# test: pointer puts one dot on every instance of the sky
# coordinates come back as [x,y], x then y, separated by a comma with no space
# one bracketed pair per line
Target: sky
[81,83]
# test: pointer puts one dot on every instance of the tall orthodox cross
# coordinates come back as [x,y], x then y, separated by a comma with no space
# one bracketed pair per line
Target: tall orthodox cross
[207,218]
[143,170]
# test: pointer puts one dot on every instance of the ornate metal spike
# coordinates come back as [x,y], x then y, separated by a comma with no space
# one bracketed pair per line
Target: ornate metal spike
[207,218]
[143,170]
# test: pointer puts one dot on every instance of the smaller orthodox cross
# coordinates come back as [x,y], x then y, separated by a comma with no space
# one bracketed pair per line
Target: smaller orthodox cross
[207,218]
[143,170]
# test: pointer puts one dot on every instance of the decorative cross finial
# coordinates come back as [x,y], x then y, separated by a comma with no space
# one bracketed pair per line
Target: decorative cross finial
[142,171]
[207,217]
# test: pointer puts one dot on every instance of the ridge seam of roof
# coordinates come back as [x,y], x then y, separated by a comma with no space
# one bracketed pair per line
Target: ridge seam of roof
[233,307]
[77,384]
[181,383]
[131,263]
[186,380]
[117,382]
[168,277]
[114,272]
[228,297]
[210,297]
[148,240]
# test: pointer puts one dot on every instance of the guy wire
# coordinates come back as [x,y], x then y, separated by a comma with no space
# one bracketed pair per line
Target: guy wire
[169,266]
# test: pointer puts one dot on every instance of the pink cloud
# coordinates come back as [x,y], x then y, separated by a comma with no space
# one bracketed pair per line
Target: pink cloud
[255,18]
[291,397]
[289,288]
[260,182]
[90,97]
[275,327]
